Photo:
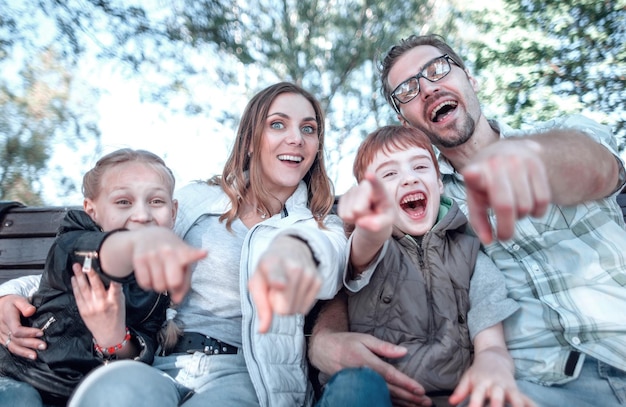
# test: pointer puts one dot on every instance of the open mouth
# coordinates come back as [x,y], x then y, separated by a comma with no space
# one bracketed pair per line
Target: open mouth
[414,204]
[442,110]
[290,158]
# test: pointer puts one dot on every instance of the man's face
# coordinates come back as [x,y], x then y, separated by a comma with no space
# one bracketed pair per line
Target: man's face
[446,110]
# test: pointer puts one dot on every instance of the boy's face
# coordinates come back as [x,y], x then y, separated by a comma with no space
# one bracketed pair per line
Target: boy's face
[411,181]
[133,195]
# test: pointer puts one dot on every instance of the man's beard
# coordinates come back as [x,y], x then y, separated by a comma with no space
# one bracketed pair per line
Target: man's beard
[461,134]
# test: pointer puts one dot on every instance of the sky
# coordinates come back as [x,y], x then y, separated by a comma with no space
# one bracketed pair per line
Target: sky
[193,147]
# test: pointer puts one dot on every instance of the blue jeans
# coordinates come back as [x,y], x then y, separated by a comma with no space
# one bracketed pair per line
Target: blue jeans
[355,387]
[187,380]
[14,393]
[598,385]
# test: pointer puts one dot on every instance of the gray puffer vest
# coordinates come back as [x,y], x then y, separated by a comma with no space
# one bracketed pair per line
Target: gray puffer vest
[418,297]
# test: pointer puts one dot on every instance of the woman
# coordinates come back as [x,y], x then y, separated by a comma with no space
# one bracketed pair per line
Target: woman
[272,248]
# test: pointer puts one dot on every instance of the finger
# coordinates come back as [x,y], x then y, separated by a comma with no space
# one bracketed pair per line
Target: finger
[311,289]
[378,192]
[26,347]
[24,342]
[395,377]
[177,269]
[78,296]
[259,292]
[478,397]
[477,205]
[541,192]
[115,290]
[501,198]
[402,397]
[461,391]
[496,397]
[79,283]
[356,202]
[95,283]
[25,308]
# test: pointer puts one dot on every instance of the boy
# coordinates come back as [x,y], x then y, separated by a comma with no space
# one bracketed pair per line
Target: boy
[411,263]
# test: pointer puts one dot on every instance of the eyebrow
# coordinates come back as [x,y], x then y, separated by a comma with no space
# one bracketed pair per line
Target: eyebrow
[420,70]
[286,116]
[412,158]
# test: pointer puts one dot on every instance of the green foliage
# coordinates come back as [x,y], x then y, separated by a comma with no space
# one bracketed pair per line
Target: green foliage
[540,59]
[535,59]
[36,107]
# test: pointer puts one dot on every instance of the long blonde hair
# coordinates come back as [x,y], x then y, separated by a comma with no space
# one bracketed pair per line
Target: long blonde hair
[242,178]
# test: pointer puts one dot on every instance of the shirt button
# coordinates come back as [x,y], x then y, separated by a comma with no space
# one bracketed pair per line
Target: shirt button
[515,247]
[387,299]
[576,340]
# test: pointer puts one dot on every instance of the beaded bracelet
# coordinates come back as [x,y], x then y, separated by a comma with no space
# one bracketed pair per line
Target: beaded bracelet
[109,351]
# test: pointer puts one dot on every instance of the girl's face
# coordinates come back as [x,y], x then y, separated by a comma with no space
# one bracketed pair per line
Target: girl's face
[411,180]
[132,195]
[289,144]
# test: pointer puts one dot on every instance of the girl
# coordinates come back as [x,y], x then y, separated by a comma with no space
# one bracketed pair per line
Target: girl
[273,248]
[85,318]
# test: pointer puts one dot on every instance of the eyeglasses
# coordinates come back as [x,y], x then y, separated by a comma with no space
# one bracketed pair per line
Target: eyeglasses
[435,70]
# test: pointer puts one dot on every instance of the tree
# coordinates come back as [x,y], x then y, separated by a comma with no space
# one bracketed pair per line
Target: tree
[36,109]
[540,59]
[187,46]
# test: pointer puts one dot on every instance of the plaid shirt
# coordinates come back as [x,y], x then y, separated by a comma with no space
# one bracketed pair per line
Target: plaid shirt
[567,270]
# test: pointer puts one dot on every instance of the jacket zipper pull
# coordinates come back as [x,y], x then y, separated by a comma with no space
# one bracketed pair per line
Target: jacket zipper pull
[87,262]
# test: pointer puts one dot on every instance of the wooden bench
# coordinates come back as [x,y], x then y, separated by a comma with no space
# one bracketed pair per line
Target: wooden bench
[26,234]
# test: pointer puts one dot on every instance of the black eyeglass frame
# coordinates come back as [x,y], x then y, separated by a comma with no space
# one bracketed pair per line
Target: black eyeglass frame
[417,77]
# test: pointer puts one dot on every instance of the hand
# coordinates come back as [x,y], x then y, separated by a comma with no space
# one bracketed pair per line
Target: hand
[490,378]
[509,177]
[24,340]
[332,351]
[162,261]
[368,206]
[285,280]
[103,310]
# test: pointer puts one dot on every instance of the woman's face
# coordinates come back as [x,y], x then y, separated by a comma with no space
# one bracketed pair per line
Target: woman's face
[289,144]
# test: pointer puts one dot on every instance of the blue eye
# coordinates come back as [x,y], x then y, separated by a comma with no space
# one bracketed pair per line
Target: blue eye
[309,130]
[277,125]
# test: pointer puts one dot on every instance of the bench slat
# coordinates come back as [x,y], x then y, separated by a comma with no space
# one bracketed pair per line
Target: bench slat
[38,221]
[24,252]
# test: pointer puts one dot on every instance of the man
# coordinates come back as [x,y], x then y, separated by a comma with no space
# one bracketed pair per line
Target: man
[559,235]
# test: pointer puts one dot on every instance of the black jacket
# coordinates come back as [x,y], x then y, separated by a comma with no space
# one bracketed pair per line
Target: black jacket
[70,354]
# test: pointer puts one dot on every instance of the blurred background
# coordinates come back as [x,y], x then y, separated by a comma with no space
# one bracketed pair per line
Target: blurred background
[80,78]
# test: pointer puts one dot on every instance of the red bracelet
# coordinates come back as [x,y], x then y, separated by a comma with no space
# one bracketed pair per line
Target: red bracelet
[110,350]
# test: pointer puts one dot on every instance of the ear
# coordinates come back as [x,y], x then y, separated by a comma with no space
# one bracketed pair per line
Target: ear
[472,81]
[90,208]
[174,210]
[403,121]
